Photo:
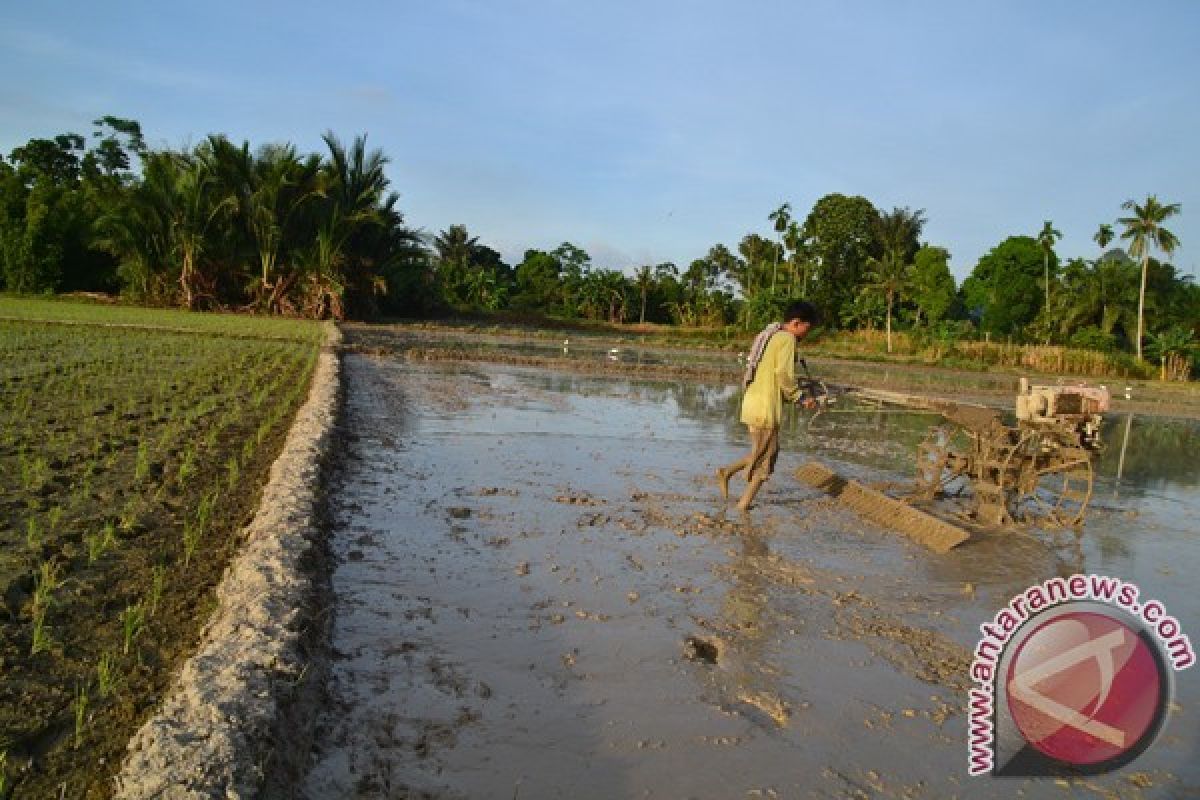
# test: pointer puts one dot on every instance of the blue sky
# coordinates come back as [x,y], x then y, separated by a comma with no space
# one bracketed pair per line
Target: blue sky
[647,131]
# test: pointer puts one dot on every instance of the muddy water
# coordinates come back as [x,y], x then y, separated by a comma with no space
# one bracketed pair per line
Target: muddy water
[540,594]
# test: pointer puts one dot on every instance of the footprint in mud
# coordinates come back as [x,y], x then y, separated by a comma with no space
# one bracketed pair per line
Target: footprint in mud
[706,651]
[765,703]
[434,736]
[578,499]
[490,491]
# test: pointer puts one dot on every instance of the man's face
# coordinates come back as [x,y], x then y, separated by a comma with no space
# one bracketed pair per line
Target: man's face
[797,328]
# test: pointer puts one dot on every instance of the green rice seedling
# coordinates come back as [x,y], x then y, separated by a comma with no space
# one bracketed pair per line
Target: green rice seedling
[80,707]
[94,542]
[33,534]
[142,466]
[99,542]
[210,438]
[191,541]
[158,582]
[41,633]
[187,466]
[204,511]
[114,456]
[232,472]
[133,619]
[30,467]
[130,514]
[45,583]
[54,517]
[107,673]
[166,435]
[3,774]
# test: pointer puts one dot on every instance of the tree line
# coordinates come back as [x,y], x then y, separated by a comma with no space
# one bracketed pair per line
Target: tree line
[218,225]
[275,230]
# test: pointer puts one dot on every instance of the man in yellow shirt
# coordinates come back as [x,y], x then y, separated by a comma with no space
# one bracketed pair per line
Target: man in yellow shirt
[770,379]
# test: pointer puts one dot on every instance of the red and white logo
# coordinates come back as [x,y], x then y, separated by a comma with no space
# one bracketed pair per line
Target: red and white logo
[1086,689]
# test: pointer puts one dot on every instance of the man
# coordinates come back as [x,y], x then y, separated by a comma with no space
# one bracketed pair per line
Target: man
[770,379]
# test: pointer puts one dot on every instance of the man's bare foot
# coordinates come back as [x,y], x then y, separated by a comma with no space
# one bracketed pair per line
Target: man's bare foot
[723,482]
[748,496]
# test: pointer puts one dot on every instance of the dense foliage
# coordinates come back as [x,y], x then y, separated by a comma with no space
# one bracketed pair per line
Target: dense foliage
[275,230]
[218,225]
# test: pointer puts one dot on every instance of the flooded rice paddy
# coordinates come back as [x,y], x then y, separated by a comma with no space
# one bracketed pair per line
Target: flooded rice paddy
[539,593]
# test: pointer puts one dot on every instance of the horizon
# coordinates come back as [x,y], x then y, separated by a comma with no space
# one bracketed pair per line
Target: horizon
[646,135]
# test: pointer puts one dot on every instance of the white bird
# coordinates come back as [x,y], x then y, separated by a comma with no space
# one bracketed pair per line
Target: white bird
[614,351]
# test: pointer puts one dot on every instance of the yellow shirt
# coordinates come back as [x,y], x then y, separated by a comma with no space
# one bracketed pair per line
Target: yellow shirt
[774,381]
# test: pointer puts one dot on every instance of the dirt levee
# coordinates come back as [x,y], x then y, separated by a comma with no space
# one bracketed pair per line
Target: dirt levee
[218,728]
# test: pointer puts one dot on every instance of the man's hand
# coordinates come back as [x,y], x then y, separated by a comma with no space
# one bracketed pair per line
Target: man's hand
[809,403]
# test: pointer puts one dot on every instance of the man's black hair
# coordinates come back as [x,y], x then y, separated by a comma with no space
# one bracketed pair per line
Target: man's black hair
[803,311]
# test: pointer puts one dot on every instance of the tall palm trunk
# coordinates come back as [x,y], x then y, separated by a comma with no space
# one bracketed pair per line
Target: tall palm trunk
[186,278]
[1142,303]
[890,299]
[1046,271]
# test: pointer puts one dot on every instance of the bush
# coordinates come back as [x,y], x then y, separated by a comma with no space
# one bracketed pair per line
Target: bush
[1092,338]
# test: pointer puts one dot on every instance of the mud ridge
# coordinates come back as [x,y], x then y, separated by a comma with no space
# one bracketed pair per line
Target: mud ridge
[455,354]
[230,725]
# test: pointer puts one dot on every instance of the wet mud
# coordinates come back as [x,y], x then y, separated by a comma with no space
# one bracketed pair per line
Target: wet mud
[540,593]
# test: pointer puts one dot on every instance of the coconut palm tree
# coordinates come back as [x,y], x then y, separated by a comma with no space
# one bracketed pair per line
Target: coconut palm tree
[353,189]
[282,185]
[137,229]
[1103,235]
[199,202]
[780,218]
[1144,229]
[1048,236]
[888,276]
[644,279]
[455,248]
[793,240]
[897,232]
[454,245]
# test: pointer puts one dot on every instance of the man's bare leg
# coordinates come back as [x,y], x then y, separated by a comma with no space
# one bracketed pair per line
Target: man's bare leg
[751,491]
[725,473]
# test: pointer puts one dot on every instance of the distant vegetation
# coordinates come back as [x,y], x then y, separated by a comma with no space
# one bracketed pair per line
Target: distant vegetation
[278,231]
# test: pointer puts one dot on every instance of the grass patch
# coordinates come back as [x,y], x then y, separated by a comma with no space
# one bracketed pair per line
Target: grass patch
[72,311]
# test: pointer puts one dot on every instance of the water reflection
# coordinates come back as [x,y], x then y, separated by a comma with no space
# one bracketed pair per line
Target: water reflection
[1150,452]
[1140,451]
